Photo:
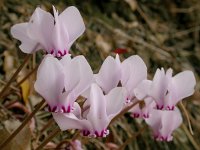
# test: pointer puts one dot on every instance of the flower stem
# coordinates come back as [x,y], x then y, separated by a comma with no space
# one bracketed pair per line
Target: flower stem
[14,76]
[26,120]
[49,138]
[49,123]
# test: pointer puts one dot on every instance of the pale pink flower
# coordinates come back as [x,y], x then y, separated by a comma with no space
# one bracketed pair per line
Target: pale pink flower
[95,120]
[163,123]
[109,74]
[166,90]
[142,111]
[129,73]
[60,82]
[55,34]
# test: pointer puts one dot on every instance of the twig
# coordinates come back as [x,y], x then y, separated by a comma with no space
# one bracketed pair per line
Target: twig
[132,138]
[14,75]
[29,74]
[49,138]
[137,40]
[196,146]
[12,87]
[27,119]
[47,125]
[187,117]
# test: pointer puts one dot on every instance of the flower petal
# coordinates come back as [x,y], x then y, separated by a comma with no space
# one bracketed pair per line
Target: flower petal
[80,77]
[170,121]
[134,71]
[136,111]
[40,28]
[50,80]
[159,86]
[142,90]
[109,74]
[72,75]
[97,113]
[181,86]
[154,120]
[19,31]
[73,23]
[60,36]
[69,121]
[115,101]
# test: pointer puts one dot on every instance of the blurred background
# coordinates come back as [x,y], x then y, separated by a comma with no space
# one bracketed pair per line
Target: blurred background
[164,33]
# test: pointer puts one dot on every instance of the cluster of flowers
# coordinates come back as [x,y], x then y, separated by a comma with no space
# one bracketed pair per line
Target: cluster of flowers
[61,80]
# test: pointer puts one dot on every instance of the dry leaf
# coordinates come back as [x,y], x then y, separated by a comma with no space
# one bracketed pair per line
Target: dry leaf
[25,86]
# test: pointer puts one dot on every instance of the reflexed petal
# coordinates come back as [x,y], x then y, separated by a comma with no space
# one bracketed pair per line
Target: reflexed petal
[40,28]
[137,73]
[80,77]
[154,120]
[142,90]
[19,31]
[60,36]
[181,86]
[109,74]
[72,73]
[149,106]
[170,121]
[126,71]
[73,23]
[115,101]
[85,75]
[50,80]
[69,121]
[97,113]
[159,86]
[77,110]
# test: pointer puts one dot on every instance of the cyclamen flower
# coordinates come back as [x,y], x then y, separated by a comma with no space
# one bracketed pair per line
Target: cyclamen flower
[95,120]
[166,90]
[130,72]
[142,111]
[60,82]
[53,34]
[164,123]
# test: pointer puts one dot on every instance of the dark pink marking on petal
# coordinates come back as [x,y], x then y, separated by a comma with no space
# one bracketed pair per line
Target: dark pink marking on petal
[52,51]
[64,109]
[159,107]
[68,109]
[65,52]
[85,132]
[54,108]
[136,115]
[59,52]
[146,115]
[163,138]
[155,137]
[170,108]
[97,134]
